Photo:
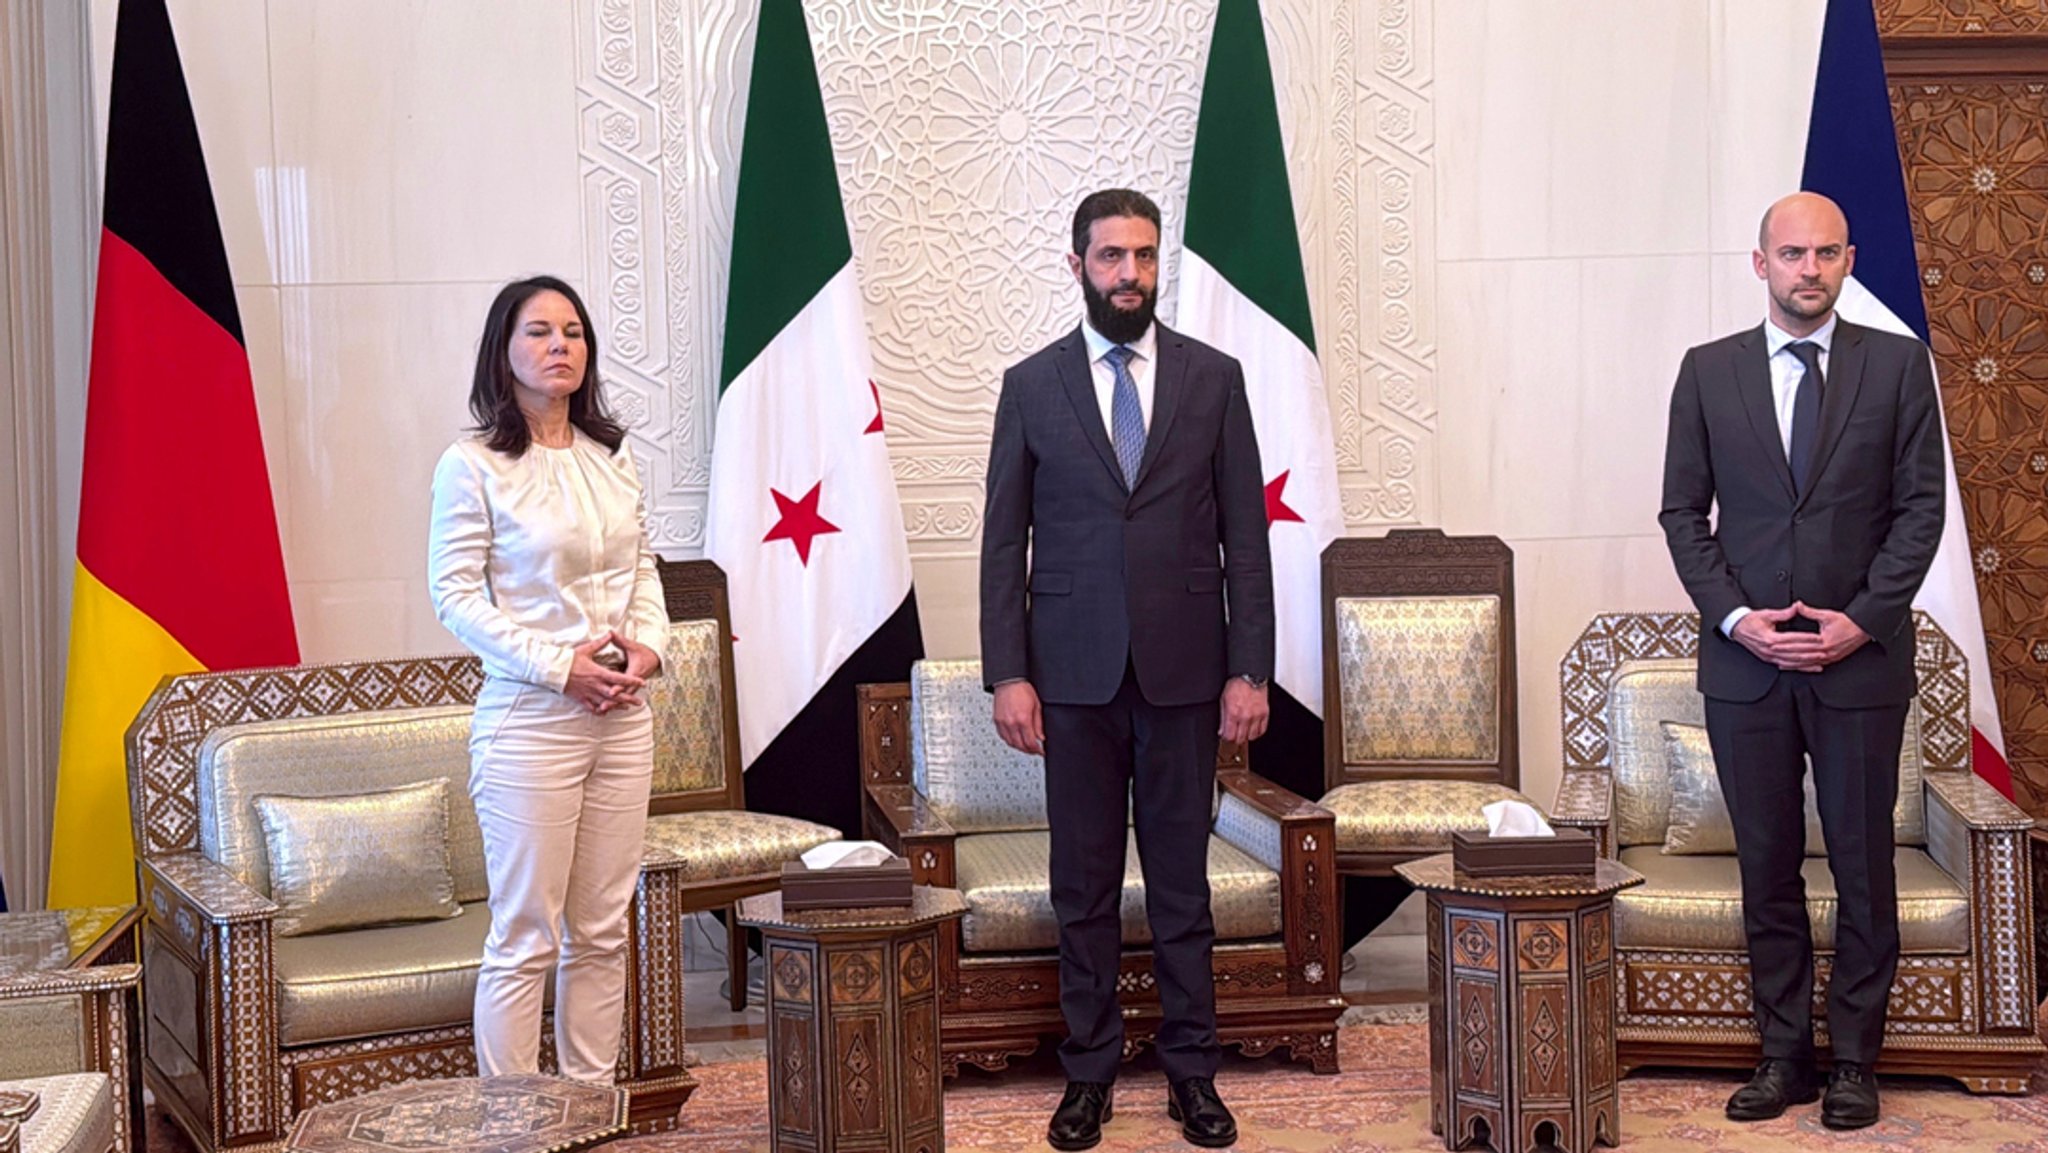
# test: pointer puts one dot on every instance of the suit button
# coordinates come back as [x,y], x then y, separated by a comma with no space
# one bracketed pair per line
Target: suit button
[1783,576]
[1798,518]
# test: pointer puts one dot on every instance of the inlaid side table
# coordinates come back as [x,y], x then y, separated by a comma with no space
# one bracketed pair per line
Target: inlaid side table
[1521,1006]
[510,1113]
[853,1023]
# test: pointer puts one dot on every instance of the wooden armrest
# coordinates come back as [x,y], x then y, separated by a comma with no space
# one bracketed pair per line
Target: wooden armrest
[1976,804]
[57,982]
[661,859]
[905,815]
[1270,799]
[214,893]
[1584,797]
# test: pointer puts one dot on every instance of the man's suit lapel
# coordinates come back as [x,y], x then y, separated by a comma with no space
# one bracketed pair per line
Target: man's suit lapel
[1169,378]
[1844,379]
[1753,383]
[1079,381]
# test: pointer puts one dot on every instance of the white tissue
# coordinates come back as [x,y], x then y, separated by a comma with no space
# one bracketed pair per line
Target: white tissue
[1515,819]
[846,855]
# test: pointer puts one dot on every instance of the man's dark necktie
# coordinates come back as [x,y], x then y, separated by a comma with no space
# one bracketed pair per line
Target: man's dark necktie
[1805,412]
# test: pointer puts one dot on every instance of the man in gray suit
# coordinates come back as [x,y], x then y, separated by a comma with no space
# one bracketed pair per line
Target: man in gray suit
[1821,441]
[1126,625]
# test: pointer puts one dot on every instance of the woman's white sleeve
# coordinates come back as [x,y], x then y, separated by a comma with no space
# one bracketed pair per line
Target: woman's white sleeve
[458,548]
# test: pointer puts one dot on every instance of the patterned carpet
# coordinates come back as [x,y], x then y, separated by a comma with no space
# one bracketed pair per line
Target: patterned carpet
[1380,1103]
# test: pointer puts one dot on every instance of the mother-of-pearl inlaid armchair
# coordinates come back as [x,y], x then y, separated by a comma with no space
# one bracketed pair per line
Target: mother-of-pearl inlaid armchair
[1419,718]
[248,1022]
[699,806]
[1961,1004]
[968,812]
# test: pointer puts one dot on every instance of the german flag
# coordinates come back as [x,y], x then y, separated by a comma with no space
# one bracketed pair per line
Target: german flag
[179,568]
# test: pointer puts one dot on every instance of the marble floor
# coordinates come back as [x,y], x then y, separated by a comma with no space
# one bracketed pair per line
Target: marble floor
[1383,976]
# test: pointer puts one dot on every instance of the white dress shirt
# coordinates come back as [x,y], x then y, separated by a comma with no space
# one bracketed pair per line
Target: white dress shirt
[529,557]
[1142,366]
[1786,373]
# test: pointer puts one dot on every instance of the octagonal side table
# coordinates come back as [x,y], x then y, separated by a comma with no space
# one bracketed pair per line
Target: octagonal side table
[511,1113]
[1521,1006]
[853,1023]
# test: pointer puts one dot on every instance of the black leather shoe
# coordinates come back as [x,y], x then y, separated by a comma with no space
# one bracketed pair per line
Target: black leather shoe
[1778,1085]
[1852,1097]
[1203,1118]
[1077,1123]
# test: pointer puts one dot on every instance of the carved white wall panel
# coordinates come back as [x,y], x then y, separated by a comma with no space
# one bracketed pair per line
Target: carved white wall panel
[965,131]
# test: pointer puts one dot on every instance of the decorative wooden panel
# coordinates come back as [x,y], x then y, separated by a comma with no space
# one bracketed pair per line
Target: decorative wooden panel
[1970,98]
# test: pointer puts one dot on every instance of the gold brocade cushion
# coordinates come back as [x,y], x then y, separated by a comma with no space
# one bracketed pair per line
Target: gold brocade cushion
[1699,820]
[688,703]
[331,756]
[1004,877]
[1420,678]
[374,982]
[1416,816]
[972,780]
[1695,902]
[1643,694]
[718,843]
[368,859]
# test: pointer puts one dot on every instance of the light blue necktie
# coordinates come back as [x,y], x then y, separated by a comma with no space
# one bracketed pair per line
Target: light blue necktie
[1126,418]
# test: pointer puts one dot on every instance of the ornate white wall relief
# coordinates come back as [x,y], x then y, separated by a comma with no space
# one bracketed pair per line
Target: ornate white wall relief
[965,131]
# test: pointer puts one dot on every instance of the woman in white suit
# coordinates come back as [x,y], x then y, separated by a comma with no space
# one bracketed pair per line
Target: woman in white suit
[539,562]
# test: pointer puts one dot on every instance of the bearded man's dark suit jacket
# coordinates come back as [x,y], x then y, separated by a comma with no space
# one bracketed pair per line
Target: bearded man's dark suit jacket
[1859,539]
[1140,602]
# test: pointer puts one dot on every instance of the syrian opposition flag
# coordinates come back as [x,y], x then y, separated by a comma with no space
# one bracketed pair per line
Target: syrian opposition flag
[1242,290]
[1852,157]
[804,518]
[179,568]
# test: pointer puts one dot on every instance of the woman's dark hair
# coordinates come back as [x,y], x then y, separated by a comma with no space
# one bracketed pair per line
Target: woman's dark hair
[492,401]
[1110,202]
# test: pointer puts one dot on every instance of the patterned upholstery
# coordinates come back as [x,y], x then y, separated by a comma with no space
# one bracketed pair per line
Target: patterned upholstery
[688,704]
[1695,902]
[972,780]
[76,1114]
[1644,694]
[734,842]
[45,1035]
[329,756]
[371,982]
[1415,816]
[1009,903]
[1420,678]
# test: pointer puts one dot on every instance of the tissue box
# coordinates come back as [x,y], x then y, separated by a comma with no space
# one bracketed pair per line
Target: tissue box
[886,885]
[1569,853]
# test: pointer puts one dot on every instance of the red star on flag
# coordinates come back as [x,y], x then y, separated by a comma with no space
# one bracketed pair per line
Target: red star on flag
[800,523]
[875,425]
[1276,507]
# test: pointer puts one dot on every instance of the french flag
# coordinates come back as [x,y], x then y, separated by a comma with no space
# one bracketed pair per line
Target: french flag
[1852,157]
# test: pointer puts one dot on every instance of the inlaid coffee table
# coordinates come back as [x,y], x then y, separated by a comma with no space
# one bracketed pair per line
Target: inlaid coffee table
[516,1113]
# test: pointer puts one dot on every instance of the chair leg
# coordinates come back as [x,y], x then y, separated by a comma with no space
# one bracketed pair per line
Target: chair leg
[736,958]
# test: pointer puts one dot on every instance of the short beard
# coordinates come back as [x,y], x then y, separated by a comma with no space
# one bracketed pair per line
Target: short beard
[1793,306]
[1115,324]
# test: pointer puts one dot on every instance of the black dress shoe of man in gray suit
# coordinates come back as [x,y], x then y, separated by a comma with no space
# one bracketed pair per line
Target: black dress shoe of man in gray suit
[1126,628]
[1820,442]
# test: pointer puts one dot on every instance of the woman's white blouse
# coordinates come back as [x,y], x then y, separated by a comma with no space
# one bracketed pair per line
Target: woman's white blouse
[532,556]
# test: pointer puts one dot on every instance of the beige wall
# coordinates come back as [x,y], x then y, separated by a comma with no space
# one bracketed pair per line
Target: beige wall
[1516,215]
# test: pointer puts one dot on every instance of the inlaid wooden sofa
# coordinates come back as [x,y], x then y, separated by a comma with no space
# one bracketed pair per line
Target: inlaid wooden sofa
[1961,1005]
[69,1040]
[246,1026]
[969,813]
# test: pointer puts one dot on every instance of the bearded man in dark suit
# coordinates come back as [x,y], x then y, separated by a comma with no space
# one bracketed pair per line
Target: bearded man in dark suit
[1126,625]
[1821,442]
